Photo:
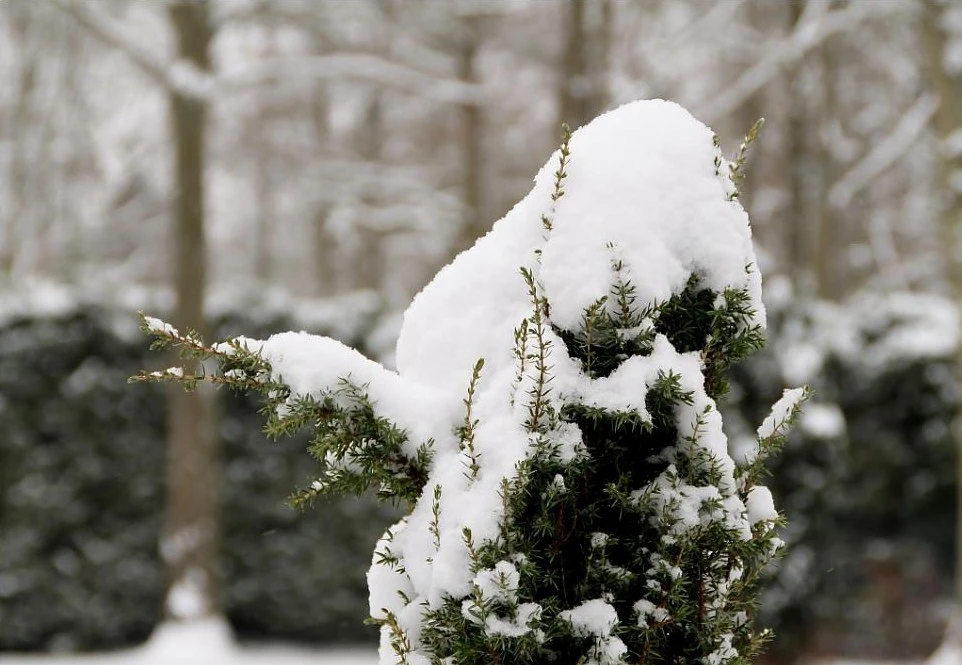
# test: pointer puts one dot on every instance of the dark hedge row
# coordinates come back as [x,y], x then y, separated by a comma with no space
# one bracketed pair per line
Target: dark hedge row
[870,506]
[870,498]
[81,475]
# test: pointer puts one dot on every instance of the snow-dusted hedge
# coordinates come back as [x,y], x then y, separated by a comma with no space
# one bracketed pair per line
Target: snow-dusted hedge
[553,422]
[866,478]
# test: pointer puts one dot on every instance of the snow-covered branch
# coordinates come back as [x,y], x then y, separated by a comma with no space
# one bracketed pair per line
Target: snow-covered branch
[885,153]
[814,27]
[359,66]
[184,79]
[720,13]
[179,77]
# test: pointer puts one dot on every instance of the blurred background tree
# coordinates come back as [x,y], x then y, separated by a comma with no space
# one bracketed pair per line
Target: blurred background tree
[263,164]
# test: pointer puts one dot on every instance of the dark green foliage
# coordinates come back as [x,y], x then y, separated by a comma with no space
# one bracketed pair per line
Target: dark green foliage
[81,495]
[596,527]
[723,333]
[356,449]
[346,467]
[871,507]
[582,533]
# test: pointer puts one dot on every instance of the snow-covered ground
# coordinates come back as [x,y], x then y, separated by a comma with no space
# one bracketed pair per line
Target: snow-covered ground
[857,661]
[236,656]
[210,643]
[201,643]
[266,656]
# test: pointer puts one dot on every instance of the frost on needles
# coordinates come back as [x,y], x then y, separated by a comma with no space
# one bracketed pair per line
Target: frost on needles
[552,424]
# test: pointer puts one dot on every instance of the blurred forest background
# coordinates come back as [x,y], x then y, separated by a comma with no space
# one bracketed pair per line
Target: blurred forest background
[257,165]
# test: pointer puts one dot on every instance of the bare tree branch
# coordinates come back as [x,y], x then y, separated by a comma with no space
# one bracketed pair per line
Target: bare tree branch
[885,153]
[104,29]
[814,27]
[185,80]
[360,66]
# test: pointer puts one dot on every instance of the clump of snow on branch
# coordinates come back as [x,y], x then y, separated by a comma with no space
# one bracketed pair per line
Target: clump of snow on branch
[596,619]
[782,412]
[156,325]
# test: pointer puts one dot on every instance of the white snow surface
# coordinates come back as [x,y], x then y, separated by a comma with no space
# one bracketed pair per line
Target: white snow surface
[645,186]
[648,611]
[640,178]
[946,655]
[761,506]
[950,650]
[156,325]
[592,617]
[187,598]
[499,584]
[311,364]
[596,618]
[202,642]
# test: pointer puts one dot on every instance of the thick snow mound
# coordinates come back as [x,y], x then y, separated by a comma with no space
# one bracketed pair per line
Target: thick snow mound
[641,186]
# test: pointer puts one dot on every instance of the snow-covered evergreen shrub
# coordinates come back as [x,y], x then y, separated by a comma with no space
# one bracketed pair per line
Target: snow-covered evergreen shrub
[553,423]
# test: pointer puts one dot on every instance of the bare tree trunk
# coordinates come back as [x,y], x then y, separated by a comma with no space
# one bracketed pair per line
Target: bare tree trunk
[324,240]
[796,158]
[471,130]
[323,252]
[827,265]
[13,234]
[583,62]
[574,68]
[757,169]
[264,216]
[264,186]
[948,120]
[369,262]
[190,540]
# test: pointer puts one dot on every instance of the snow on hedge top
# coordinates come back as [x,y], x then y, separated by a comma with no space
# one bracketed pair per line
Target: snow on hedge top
[641,185]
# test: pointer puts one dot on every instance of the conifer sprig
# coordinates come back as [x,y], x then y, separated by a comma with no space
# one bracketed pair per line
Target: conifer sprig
[520,355]
[559,177]
[541,415]
[466,431]
[736,168]
[242,368]
[399,639]
[755,470]
[356,448]
[435,525]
